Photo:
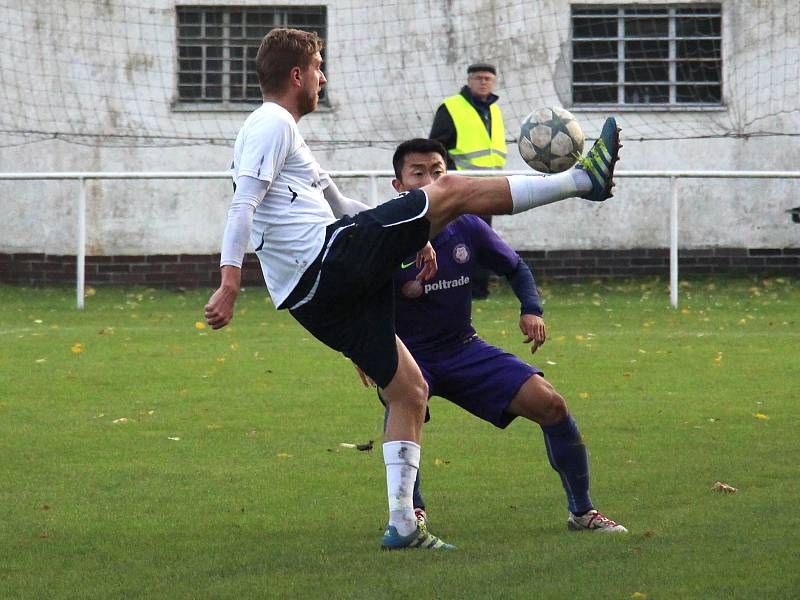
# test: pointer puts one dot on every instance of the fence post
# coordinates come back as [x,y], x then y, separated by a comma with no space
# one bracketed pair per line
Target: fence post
[673,244]
[81,258]
[373,191]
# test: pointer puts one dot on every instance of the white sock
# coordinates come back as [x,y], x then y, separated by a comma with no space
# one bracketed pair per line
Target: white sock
[530,191]
[402,463]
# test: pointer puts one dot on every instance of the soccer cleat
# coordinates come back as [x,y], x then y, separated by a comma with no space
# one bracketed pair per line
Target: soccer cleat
[600,160]
[594,521]
[419,513]
[421,538]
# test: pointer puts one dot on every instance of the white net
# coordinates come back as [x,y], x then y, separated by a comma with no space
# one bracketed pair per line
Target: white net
[122,73]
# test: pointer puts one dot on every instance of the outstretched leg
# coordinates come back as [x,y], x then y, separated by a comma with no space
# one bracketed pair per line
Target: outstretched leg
[592,178]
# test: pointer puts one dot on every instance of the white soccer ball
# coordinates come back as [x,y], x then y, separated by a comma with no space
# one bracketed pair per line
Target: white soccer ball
[550,140]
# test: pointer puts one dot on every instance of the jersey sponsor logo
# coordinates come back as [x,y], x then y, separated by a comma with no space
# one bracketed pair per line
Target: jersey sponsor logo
[400,195]
[294,194]
[446,284]
[405,265]
[411,289]
[461,254]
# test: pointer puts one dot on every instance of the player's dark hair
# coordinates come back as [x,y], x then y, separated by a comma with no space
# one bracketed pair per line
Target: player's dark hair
[280,51]
[417,145]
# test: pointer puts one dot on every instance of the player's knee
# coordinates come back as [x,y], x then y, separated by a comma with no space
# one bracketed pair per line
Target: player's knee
[553,407]
[418,394]
[557,407]
[449,190]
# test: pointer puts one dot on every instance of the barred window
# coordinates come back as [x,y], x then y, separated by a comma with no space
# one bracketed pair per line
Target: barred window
[654,55]
[217,47]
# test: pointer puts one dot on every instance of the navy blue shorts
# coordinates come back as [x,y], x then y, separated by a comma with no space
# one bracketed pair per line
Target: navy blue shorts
[480,378]
[350,283]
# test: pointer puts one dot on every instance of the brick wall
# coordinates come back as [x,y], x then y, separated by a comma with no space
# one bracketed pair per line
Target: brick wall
[581,264]
[202,270]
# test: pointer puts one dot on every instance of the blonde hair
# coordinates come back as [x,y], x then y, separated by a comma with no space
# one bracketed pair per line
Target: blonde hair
[280,51]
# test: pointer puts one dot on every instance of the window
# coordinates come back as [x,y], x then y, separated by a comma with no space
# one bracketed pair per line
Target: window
[217,47]
[654,55]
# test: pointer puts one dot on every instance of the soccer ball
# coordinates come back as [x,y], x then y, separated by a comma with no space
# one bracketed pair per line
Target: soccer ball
[550,140]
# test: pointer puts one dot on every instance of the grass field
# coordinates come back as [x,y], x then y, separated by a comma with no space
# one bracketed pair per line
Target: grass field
[144,457]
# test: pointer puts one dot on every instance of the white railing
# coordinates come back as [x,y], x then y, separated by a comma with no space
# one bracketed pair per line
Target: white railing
[373,176]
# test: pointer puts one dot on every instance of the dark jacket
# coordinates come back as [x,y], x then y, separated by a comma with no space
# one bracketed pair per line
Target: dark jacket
[444,129]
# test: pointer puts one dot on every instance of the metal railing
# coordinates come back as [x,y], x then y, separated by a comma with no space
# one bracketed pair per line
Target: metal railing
[373,176]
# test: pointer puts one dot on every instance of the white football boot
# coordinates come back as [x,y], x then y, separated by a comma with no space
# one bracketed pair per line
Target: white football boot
[594,521]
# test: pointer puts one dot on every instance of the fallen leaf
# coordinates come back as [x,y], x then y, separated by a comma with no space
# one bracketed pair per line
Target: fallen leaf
[174,439]
[41,360]
[284,455]
[583,395]
[77,348]
[761,416]
[121,420]
[723,487]
[551,362]
[199,325]
[440,462]
[638,595]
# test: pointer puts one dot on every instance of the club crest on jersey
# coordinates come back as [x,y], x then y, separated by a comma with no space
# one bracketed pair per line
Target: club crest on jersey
[461,254]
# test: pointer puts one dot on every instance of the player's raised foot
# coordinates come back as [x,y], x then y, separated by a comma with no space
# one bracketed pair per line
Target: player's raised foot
[419,513]
[600,160]
[421,538]
[594,521]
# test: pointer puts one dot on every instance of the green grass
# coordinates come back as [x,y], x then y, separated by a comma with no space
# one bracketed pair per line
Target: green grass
[257,499]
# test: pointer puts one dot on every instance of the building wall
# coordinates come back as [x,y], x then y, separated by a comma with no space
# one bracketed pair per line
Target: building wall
[108,70]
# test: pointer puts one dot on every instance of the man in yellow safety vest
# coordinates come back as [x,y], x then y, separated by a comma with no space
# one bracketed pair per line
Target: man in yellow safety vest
[470,126]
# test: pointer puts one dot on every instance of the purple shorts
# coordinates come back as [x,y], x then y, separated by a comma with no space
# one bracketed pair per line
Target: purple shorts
[478,377]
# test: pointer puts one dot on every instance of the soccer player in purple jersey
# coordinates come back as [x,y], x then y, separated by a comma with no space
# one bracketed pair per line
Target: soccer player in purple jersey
[434,320]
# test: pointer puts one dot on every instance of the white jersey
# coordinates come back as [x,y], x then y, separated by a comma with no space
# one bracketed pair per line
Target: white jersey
[289,224]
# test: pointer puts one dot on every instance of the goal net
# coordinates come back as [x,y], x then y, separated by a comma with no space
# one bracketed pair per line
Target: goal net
[133,73]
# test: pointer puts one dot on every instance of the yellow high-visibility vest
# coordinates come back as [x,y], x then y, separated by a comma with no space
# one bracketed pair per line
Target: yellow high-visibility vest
[475,149]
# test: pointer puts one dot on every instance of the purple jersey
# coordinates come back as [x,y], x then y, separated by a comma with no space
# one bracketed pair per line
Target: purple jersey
[436,315]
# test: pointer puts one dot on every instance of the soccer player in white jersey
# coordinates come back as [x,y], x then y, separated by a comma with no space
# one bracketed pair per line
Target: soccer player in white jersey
[329,259]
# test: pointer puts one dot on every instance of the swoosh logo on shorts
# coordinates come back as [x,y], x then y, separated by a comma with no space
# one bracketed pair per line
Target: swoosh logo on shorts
[406,265]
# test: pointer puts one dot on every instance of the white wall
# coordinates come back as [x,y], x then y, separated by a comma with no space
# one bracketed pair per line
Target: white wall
[107,70]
